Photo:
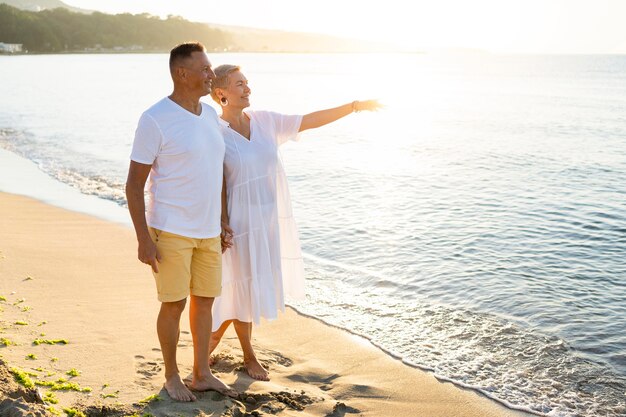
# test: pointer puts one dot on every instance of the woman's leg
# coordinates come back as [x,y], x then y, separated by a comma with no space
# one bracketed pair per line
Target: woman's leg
[252,364]
[216,336]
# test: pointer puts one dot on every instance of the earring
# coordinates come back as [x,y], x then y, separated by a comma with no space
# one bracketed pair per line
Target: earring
[224,101]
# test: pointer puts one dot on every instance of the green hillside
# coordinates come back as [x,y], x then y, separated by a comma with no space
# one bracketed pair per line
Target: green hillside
[60,30]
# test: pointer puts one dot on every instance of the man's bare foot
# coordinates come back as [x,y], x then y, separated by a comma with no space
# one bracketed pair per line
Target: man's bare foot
[211,383]
[177,390]
[256,370]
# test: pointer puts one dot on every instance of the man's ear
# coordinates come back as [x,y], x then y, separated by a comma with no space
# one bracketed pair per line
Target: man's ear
[181,74]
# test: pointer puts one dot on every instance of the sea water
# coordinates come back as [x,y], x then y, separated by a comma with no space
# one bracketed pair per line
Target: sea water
[475,227]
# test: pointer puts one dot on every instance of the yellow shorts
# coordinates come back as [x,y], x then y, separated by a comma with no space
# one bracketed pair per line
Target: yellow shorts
[188,266]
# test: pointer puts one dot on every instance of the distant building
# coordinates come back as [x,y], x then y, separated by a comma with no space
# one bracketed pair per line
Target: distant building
[10,48]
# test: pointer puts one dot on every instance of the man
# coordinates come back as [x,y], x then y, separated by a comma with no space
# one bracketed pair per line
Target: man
[179,145]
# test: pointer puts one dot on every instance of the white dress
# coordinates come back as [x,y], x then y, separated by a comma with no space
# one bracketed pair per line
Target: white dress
[265,263]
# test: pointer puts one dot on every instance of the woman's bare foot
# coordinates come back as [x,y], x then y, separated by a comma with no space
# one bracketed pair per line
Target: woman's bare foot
[211,383]
[256,370]
[177,390]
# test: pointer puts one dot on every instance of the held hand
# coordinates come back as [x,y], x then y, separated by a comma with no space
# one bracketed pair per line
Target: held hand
[226,236]
[226,244]
[367,105]
[149,255]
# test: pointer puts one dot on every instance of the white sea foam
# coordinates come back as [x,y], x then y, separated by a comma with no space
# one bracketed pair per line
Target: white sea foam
[23,177]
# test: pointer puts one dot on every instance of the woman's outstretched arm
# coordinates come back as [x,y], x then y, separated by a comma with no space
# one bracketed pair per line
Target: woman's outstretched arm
[323,117]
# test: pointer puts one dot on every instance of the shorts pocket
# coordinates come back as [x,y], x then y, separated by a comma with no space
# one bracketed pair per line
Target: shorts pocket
[154,233]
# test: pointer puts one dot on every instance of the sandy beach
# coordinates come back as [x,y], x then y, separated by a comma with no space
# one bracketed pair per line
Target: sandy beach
[78,310]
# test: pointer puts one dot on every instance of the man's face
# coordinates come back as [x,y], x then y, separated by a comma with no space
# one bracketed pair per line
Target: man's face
[199,74]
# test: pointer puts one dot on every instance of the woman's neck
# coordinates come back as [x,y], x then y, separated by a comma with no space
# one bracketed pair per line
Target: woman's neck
[234,116]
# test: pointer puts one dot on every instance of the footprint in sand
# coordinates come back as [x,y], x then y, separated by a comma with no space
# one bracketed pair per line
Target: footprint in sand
[341,409]
[275,402]
[146,370]
[273,357]
[224,362]
[324,381]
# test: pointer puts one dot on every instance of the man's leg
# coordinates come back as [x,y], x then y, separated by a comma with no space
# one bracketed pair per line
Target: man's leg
[200,320]
[252,364]
[168,329]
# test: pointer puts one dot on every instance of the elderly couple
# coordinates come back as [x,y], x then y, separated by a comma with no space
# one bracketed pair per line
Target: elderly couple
[219,226]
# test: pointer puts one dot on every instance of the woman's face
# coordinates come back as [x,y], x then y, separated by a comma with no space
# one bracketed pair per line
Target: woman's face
[238,92]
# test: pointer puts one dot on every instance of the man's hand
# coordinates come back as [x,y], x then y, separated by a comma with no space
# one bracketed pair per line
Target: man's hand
[148,254]
[226,236]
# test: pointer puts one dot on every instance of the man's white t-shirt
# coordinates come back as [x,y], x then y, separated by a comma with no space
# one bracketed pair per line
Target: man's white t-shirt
[186,152]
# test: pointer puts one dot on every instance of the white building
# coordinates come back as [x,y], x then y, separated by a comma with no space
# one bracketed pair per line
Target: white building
[10,48]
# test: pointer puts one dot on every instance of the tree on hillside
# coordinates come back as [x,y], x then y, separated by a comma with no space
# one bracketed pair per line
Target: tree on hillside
[60,30]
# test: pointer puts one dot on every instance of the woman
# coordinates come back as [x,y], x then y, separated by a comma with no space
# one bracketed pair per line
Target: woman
[264,261]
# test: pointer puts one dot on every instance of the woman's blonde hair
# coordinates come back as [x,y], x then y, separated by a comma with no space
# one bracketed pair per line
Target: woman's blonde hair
[221,78]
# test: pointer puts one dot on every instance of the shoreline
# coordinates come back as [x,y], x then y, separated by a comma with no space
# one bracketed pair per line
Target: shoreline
[22,176]
[360,340]
[79,276]
[422,368]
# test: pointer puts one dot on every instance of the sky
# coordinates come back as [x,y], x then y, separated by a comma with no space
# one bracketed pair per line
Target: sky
[503,26]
